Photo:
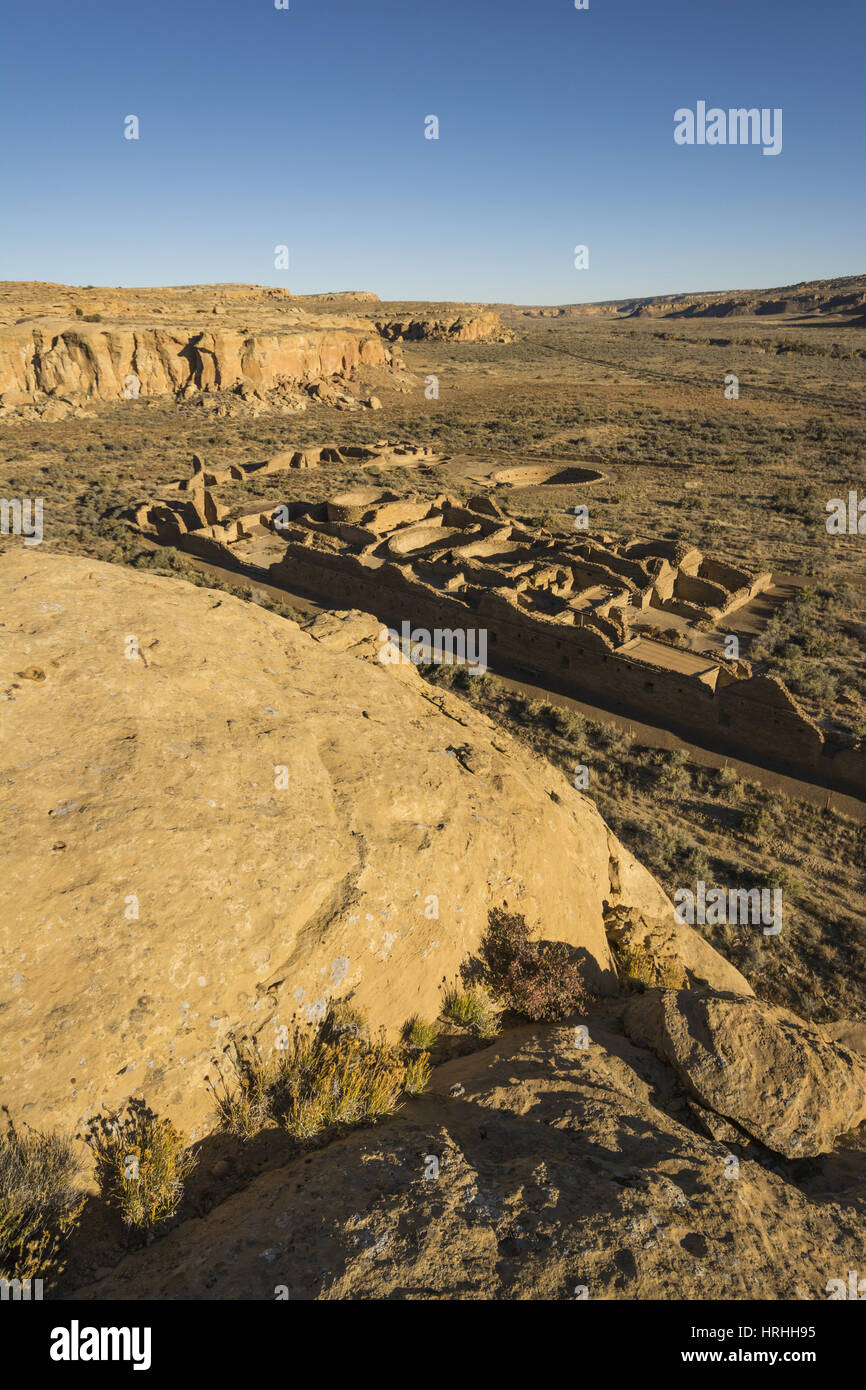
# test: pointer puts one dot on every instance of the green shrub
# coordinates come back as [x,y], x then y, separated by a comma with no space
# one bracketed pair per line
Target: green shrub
[757,822]
[472,1009]
[781,877]
[418,1034]
[417,1074]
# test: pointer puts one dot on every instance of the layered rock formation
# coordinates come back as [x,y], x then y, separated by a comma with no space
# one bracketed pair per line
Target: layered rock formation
[469,326]
[217,821]
[842,297]
[117,361]
[110,344]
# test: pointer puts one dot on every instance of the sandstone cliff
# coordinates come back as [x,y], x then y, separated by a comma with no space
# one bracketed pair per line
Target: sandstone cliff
[470,326]
[109,362]
[107,344]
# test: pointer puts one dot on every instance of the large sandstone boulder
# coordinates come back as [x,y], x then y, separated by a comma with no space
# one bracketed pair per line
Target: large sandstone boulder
[216,821]
[778,1078]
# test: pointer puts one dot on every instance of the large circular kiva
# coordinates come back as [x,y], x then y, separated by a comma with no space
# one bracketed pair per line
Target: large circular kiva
[543,475]
[415,538]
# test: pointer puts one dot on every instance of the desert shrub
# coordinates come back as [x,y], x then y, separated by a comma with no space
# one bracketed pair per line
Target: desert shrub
[417,1074]
[639,966]
[670,770]
[344,1020]
[472,1009]
[730,784]
[243,1098]
[781,877]
[757,822]
[39,1200]
[418,1034]
[333,1076]
[142,1163]
[348,1083]
[460,678]
[353,1079]
[695,862]
[541,981]
[567,722]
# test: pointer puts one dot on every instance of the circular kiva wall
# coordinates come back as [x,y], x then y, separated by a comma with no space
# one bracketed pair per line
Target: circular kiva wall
[486,550]
[543,475]
[352,506]
[415,538]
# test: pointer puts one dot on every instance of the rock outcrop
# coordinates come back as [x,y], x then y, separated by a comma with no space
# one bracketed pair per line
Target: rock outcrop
[781,1080]
[114,362]
[535,1169]
[480,326]
[61,345]
[844,296]
[216,821]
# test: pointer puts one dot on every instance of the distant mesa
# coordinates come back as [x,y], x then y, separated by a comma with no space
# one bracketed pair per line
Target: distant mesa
[844,296]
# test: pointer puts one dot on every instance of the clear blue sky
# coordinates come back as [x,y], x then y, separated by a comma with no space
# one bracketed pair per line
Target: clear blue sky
[305,127]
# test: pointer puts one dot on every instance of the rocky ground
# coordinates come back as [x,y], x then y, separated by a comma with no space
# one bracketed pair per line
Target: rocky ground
[678,1143]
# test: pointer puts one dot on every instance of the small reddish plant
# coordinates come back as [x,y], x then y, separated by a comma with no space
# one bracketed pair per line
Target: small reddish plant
[541,981]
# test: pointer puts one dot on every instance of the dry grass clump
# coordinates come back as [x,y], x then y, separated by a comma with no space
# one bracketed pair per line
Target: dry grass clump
[473,1009]
[542,981]
[322,1079]
[39,1200]
[417,1074]
[418,1034]
[639,966]
[242,1100]
[342,1083]
[344,1020]
[142,1162]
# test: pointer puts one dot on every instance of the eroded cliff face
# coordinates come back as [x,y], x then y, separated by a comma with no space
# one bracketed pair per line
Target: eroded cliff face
[107,344]
[481,326]
[110,362]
